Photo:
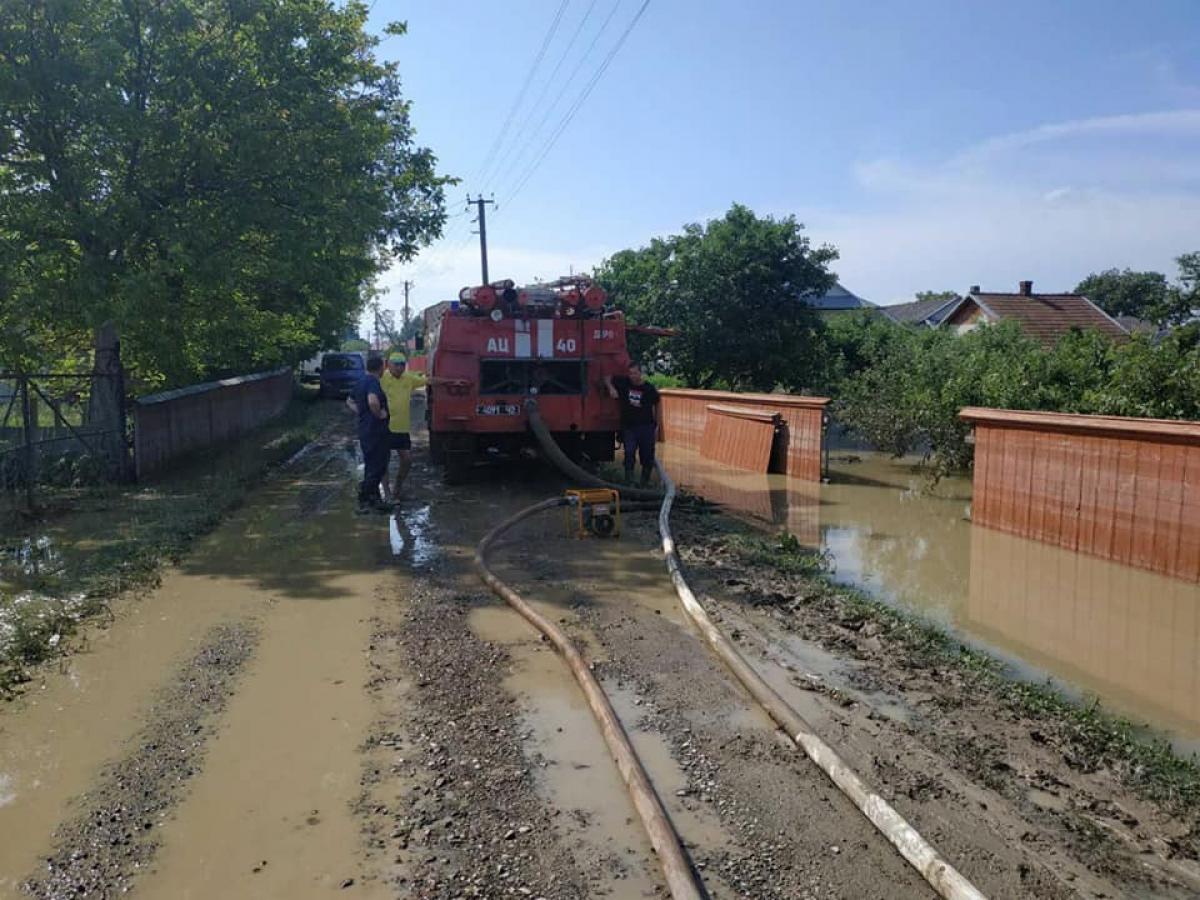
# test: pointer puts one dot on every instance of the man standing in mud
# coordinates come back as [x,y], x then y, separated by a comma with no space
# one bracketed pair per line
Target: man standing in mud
[399,384]
[639,422]
[370,403]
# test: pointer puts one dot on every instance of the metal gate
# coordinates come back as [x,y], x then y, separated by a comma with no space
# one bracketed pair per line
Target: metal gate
[58,430]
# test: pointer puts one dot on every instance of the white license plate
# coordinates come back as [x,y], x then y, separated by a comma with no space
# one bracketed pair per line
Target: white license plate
[498,409]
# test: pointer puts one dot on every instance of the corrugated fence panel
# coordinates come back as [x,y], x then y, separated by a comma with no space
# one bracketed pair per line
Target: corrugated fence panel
[739,437]
[1122,489]
[172,424]
[683,415]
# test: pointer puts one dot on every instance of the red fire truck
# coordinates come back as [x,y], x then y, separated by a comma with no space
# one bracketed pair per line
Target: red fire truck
[553,342]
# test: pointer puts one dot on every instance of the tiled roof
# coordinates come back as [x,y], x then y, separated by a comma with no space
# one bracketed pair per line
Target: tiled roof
[919,312]
[1045,317]
[838,298]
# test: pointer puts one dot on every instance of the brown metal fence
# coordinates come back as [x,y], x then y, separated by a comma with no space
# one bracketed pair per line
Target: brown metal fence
[1119,488]
[174,423]
[684,416]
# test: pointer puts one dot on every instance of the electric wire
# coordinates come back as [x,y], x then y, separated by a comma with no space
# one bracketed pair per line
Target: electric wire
[546,84]
[529,173]
[516,104]
[511,163]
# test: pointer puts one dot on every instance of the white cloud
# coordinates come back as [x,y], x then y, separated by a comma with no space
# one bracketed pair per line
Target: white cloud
[1177,122]
[1052,203]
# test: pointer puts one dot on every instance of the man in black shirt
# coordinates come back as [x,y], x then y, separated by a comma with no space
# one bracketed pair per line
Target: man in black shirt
[639,422]
[370,403]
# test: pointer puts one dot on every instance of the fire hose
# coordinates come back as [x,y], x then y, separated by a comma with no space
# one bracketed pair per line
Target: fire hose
[918,852]
[942,876]
[565,465]
[678,872]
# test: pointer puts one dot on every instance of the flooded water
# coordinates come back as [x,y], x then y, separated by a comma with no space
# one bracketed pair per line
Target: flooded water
[296,563]
[27,562]
[1129,637]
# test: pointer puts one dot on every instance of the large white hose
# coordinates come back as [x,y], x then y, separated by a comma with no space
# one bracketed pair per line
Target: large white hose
[942,876]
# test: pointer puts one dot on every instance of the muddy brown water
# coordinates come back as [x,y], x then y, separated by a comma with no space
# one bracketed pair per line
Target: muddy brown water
[1127,636]
[278,779]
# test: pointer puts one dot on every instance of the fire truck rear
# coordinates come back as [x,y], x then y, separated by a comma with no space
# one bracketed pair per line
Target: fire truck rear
[555,342]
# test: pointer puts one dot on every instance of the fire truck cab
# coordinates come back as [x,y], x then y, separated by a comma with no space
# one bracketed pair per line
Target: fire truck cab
[554,342]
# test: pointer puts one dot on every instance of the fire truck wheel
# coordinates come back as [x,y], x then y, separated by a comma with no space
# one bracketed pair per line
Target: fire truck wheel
[457,466]
[436,453]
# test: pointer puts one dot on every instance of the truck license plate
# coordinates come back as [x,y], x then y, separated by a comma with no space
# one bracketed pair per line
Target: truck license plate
[498,409]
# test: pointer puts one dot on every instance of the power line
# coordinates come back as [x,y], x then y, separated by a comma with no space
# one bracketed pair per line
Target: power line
[536,105]
[510,164]
[512,112]
[562,127]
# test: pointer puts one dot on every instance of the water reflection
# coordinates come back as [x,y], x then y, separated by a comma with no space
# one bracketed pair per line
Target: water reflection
[29,559]
[1129,636]
[409,535]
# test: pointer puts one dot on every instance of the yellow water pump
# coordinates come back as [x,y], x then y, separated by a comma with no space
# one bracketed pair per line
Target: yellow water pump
[594,511]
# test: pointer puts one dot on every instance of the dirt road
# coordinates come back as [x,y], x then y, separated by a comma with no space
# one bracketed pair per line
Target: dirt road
[318,704]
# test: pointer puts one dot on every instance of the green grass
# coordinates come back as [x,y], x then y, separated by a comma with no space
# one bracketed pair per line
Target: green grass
[113,539]
[1095,736]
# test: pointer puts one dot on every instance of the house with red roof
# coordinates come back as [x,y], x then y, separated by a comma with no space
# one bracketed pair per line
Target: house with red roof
[1043,317]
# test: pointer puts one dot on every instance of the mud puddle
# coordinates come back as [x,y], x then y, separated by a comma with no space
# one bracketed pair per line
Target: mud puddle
[270,814]
[27,562]
[55,738]
[577,775]
[296,565]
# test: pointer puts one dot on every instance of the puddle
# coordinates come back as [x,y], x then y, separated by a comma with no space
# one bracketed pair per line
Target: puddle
[287,804]
[302,578]
[1129,637]
[7,794]
[578,777]
[410,533]
[30,562]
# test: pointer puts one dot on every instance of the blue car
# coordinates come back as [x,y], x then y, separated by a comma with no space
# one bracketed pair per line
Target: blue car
[340,372]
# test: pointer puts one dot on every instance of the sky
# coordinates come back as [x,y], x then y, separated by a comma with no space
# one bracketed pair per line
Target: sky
[937,144]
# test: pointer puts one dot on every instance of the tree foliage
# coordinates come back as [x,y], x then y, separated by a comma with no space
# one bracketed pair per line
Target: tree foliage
[734,288]
[902,388]
[1146,295]
[217,179]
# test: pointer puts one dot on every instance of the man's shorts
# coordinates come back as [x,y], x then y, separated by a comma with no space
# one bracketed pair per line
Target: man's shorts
[401,441]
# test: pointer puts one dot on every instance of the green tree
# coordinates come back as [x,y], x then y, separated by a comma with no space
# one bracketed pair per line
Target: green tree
[1189,282]
[1144,295]
[734,289]
[906,394]
[211,181]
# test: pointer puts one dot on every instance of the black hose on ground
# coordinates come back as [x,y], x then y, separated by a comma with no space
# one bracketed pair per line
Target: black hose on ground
[681,881]
[565,465]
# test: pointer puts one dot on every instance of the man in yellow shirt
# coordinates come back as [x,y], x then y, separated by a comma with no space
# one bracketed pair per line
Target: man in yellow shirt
[398,386]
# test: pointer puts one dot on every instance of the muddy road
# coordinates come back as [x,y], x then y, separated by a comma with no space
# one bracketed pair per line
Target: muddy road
[317,704]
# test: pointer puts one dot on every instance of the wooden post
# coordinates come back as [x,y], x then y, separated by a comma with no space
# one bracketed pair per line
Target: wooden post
[106,400]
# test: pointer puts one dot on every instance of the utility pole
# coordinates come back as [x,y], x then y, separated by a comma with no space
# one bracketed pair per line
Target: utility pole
[480,204]
[407,285]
